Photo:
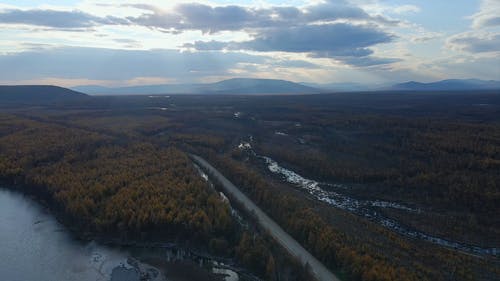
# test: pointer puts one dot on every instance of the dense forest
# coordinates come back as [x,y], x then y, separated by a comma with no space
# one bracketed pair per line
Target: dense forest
[105,186]
[92,177]
[119,165]
[452,163]
[440,165]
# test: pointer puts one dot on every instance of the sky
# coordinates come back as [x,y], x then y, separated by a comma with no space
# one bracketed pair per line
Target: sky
[125,43]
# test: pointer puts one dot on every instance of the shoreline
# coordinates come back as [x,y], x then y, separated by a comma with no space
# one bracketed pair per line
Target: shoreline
[115,240]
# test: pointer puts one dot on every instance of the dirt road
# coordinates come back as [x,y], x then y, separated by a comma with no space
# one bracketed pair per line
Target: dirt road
[318,269]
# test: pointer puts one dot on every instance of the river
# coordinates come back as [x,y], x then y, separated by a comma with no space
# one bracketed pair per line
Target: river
[35,246]
[331,193]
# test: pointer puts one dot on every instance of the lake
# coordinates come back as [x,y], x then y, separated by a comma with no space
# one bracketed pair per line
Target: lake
[34,246]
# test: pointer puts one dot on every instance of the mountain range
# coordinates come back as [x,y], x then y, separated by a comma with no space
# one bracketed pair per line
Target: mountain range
[41,94]
[231,86]
[449,85]
[343,87]
[273,86]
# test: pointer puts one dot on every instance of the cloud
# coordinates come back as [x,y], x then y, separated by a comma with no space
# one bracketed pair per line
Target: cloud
[109,64]
[209,19]
[128,43]
[196,16]
[425,37]
[341,41]
[211,45]
[333,10]
[381,7]
[367,61]
[473,42]
[484,37]
[466,66]
[406,9]
[324,40]
[218,39]
[56,19]
[120,65]
[60,66]
[327,29]
[488,15]
[291,63]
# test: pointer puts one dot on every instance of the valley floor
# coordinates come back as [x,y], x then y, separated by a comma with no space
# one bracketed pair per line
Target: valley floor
[376,186]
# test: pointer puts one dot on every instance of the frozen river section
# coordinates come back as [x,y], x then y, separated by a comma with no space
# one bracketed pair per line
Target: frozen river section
[366,208]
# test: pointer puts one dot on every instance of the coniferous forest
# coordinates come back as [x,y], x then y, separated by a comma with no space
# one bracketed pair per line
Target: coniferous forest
[120,167]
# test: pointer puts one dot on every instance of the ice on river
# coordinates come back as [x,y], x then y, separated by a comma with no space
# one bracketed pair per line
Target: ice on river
[338,200]
[366,209]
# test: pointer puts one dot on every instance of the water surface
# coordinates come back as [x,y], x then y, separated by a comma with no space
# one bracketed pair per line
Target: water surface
[35,247]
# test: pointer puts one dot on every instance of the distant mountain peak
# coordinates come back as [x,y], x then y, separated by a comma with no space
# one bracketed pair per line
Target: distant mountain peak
[449,85]
[230,86]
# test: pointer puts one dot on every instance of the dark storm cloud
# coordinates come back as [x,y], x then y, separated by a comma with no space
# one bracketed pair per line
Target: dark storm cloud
[56,19]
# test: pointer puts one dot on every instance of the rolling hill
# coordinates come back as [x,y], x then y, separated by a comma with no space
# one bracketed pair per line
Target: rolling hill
[37,94]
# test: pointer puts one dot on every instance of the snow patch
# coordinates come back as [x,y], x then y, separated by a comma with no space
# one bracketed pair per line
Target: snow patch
[244,146]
